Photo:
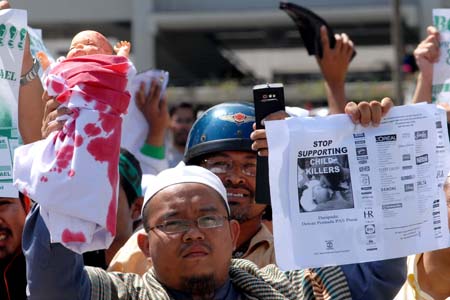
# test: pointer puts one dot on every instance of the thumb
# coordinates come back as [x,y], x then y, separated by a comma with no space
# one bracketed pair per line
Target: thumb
[324,38]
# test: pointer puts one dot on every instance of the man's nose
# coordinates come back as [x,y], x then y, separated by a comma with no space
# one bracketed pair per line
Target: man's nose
[234,176]
[193,233]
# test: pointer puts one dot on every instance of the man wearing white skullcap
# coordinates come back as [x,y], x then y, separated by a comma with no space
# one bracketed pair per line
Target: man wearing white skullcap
[185,174]
[190,239]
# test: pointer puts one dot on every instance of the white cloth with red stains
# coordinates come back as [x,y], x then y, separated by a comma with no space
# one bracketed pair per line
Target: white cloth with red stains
[73,174]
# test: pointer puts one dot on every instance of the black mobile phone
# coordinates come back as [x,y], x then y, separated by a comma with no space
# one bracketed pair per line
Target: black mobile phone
[267,98]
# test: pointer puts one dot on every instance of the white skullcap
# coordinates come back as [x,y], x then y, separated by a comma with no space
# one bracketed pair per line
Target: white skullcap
[185,174]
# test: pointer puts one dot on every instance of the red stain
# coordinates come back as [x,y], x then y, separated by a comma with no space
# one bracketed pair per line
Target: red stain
[87,98]
[57,86]
[75,113]
[64,97]
[63,157]
[44,179]
[101,107]
[108,122]
[92,130]
[71,173]
[78,140]
[107,150]
[70,129]
[69,236]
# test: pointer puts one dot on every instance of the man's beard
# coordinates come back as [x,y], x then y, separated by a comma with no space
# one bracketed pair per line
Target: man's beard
[180,138]
[240,213]
[200,287]
[5,257]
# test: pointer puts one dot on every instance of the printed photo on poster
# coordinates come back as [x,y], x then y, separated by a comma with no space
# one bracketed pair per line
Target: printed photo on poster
[324,183]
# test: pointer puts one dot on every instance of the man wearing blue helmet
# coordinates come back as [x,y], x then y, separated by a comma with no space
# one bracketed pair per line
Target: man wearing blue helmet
[220,141]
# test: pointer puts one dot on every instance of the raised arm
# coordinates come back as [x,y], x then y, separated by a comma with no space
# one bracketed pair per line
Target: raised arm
[334,66]
[31,107]
[426,54]
[152,154]
[53,271]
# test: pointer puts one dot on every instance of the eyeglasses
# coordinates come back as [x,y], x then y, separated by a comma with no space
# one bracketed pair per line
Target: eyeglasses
[226,166]
[180,225]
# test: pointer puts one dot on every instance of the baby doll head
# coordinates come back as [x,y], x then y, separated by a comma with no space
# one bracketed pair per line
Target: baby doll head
[89,42]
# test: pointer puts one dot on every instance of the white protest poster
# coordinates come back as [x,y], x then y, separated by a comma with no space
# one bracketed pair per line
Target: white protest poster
[342,193]
[13,29]
[135,127]
[441,69]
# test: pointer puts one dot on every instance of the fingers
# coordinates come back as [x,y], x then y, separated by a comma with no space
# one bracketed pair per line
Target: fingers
[366,113]
[427,51]
[259,138]
[51,127]
[50,106]
[259,145]
[4,5]
[432,30]
[386,105]
[258,134]
[121,44]
[351,109]
[63,111]
[324,38]
[375,112]
[343,48]
[429,48]
[45,97]
[53,111]
[263,153]
[278,115]
[339,41]
[444,105]
[154,96]
[140,96]
[349,48]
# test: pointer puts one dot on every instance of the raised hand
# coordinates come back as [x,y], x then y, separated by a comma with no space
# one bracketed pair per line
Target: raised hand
[122,48]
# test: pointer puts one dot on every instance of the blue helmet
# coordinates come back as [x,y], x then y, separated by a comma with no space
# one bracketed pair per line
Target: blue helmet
[223,127]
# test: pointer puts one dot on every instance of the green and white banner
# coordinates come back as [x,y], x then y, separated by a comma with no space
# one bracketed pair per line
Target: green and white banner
[13,30]
[441,69]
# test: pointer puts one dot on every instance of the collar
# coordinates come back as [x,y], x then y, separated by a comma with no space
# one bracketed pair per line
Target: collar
[262,236]
[225,292]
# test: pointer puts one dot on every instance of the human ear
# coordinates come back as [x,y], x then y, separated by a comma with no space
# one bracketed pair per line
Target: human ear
[234,231]
[136,208]
[143,243]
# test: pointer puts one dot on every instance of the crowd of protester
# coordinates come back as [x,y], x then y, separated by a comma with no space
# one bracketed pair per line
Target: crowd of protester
[187,225]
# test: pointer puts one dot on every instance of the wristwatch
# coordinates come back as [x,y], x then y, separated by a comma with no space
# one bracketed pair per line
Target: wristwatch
[32,73]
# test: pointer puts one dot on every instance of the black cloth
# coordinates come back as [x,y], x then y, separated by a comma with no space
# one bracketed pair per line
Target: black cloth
[14,281]
[95,259]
